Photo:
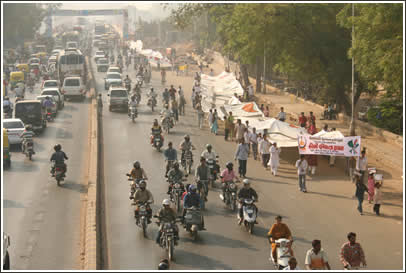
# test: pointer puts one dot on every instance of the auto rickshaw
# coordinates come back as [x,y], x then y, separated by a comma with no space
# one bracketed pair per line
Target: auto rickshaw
[6,150]
[16,77]
[23,67]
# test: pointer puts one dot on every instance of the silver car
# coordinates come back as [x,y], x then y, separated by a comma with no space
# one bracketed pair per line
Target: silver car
[15,127]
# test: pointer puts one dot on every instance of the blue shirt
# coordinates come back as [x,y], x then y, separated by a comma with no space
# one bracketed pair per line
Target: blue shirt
[191,200]
[170,154]
[242,152]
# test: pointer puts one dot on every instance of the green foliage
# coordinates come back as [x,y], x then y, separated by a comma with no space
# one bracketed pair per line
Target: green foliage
[391,115]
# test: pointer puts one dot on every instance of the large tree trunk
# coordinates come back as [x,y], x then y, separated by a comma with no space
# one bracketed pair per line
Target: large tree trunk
[258,74]
[244,72]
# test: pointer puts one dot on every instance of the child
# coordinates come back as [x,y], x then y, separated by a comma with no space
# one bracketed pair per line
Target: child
[378,198]
[371,187]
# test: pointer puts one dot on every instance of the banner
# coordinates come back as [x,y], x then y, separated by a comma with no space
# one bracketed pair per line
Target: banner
[346,146]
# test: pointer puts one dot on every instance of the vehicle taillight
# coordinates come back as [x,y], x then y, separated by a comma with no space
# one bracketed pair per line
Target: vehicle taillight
[58,169]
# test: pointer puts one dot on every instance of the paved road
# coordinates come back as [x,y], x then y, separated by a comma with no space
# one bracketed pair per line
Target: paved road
[42,219]
[327,212]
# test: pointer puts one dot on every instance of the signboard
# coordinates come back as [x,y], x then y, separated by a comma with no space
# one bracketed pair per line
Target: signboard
[346,146]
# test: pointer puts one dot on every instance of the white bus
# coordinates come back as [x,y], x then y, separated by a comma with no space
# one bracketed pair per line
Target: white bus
[71,62]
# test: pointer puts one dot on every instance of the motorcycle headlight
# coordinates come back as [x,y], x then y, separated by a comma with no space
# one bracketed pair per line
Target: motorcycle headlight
[232,186]
[177,185]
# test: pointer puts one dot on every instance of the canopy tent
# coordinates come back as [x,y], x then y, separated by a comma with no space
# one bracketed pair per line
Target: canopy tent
[153,56]
[329,135]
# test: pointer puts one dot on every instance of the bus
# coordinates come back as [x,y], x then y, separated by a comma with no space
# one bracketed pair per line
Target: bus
[71,62]
[72,36]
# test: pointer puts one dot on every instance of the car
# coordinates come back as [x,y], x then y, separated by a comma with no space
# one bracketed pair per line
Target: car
[96,43]
[15,127]
[56,93]
[72,45]
[112,78]
[52,60]
[49,84]
[58,47]
[54,108]
[55,52]
[118,98]
[6,256]
[114,69]
[73,87]
[99,54]
[102,65]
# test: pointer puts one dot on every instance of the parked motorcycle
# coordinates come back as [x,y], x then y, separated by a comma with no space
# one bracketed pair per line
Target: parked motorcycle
[28,148]
[193,221]
[142,219]
[187,161]
[249,214]
[133,113]
[58,172]
[230,195]
[282,253]
[168,239]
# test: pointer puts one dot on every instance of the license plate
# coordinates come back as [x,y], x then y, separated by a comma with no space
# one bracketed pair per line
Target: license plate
[169,230]
[250,210]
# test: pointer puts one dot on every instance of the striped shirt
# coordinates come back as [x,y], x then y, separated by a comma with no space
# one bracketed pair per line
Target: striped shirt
[352,254]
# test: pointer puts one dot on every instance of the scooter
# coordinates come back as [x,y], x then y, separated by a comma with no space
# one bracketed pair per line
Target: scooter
[193,221]
[28,148]
[282,253]
[133,113]
[249,214]
[157,142]
[57,172]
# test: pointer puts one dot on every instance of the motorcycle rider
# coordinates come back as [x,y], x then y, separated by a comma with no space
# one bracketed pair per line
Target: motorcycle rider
[59,157]
[143,195]
[174,175]
[127,81]
[136,173]
[151,94]
[209,154]
[165,96]
[27,137]
[186,145]
[170,155]
[7,106]
[156,130]
[132,103]
[247,192]
[192,199]
[167,214]
[277,231]
[203,173]
[166,113]
[47,104]
[227,175]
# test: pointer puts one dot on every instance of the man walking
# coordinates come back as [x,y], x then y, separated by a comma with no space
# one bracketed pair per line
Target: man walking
[316,257]
[264,146]
[352,254]
[200,116]
[254,142]
[302,166]
[361,164]
[239,131]
[274,162]
[242,156]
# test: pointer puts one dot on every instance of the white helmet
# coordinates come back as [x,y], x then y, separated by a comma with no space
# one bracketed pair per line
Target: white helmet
[246,182]
[166,202]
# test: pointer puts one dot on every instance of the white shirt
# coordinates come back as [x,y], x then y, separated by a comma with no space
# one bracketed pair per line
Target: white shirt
[152,94]
[321,257]
[253,138]
[361,163]
[264,147]
[180,92]
[210,116]
[247,137]
[301,166]
[288,268]
[208,155]
[250,90]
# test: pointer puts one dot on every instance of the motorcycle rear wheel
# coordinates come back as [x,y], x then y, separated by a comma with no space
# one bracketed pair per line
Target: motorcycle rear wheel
[170,251]
[29,155]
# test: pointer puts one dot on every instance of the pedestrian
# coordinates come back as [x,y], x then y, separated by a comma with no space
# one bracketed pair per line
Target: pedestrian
[302,166]
[371,187]
[359,192]
[281,115]
[200,116]
[214,126]
[250,92]
[361,164]
[175,109]
[242,156]
[264,146]
[254,142]
[311,119]
[292,264]
[352,254]
[210,118]
[262,108]
[316,257]
[312,159]
[227,126]
[274,159]
[377,197]
[266,111]
[211,72]
[247,139]
[239,131]
[302,120]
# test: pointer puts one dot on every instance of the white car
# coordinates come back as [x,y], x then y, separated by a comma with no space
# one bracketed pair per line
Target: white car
[114,69]
[102,64]
[56,93]
[117,98]
[54,108]
[15,127]
[50,84]
[112,78]
[73,87]
[55,52]
[99,54]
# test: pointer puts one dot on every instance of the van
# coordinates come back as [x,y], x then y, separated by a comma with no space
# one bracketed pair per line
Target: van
[73,87]
[118,98]
[30,112]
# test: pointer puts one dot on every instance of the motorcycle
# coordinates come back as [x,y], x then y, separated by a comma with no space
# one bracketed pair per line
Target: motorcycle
[128,86]
[230,195]
[187,161]
[166,124]
[157,142]
[142,219]
[213,166]
[28,148]
[58,172]
[134,185]
[249,214]
[152,102]
[133,113]
[203,189]
[49,116]
[176,193]
[168,239]
[140,80]
[282,253]
[193,221]
[7,112]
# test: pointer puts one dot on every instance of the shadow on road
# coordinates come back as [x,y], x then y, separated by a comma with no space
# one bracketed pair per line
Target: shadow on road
[8,204]
[210,238]
[254,179]
[203,262]
[23,166]
[74,187]
[330,195]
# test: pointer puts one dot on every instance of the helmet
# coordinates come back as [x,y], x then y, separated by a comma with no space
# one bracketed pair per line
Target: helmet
[57,147]
[136,164]
[246,182]
[28,127]
[229,164]
[142,183]
[192,188]
[176,165]
[208,146]
[163,265]
[166,202]
[187,137]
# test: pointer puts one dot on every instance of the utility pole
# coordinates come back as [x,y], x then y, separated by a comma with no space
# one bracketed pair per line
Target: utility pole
[352,123]
[264,70]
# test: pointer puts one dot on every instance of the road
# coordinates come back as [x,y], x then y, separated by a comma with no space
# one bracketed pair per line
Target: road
[42,219]
[327,212]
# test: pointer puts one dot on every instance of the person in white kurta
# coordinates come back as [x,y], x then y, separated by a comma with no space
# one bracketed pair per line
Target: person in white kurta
[274,161]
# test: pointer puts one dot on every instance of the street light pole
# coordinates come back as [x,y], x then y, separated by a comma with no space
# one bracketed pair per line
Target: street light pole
[352,123]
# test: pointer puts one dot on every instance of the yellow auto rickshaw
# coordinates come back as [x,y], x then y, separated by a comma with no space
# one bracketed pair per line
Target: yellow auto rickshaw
[16,77]
[6,150]
[42,54]
[23,67]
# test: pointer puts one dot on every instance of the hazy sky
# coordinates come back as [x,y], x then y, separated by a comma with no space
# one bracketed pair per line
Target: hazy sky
[106,5]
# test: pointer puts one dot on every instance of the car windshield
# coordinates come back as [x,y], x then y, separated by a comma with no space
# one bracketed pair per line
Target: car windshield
[119,93]
[13,125]
[72,82]
[113,76]
[50,92]
[103,61]
[114,70]
[100,53]
[50,84]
